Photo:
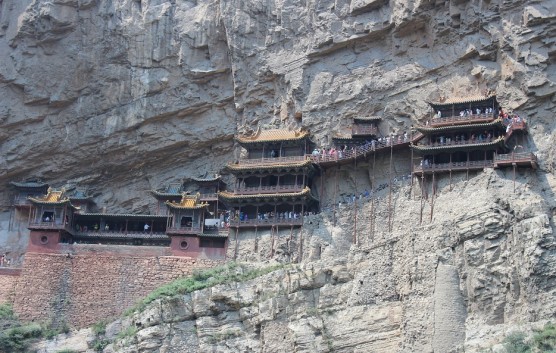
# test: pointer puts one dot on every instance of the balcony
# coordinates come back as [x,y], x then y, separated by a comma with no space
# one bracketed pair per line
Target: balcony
[270,161]
[51,225]
[454,166]
[112,234]
[274,189]
[183,230]
[526,159]
[462,120]
[363,130]
[251,223]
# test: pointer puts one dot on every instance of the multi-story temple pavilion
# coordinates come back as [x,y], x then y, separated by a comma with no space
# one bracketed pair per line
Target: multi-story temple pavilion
[363,130]
[473,133]
[25,189]
[50,219]
[273,181]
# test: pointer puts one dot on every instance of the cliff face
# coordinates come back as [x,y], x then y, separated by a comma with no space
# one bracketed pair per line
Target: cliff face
[123,96]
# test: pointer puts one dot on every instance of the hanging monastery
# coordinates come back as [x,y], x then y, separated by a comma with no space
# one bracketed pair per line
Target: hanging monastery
[274,182]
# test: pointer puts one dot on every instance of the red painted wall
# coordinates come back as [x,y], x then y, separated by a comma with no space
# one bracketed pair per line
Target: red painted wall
[194,249]
[37,245]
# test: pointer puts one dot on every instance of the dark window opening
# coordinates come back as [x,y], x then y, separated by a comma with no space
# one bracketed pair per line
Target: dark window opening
[48,216]
[186,221]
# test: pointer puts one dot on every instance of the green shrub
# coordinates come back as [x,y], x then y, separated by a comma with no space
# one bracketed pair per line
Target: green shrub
[515,343]
[99,344]
[6,312]
[16,339]
[99,328]
[545,340]
[229,273]
[128,332]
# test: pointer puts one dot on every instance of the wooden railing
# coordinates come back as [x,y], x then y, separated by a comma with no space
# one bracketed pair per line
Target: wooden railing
[58,225]
[515,126]
[249,190]
[454,166]
[120,234]
[373,146]
[460,142]
[363,130]
[270,161]
[455,120]
[267,222]
[183,230]
[515,156]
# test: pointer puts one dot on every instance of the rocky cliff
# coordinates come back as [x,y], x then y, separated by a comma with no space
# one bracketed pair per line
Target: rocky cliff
[122,96]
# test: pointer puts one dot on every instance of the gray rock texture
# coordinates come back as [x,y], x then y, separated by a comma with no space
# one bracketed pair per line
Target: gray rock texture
[122,96]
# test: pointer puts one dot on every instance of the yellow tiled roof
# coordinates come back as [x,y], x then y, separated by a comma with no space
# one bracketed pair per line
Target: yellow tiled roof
[273,135]
[190,202]
[231,195]
[52,197]
[269,166]
[465,99]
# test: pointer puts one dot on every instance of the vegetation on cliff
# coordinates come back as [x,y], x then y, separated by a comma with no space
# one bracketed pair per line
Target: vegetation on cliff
[231,272]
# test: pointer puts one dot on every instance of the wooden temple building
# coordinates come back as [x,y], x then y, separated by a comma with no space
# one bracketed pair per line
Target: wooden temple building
[363,129]
[22,190]
[273,182]
[469,134]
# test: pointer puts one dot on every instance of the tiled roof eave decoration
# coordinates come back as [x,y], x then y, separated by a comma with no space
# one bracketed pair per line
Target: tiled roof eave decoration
[179,207]
[30,185]
[232,196]
[157,193]
[426,129]
[274,135]
[204,180]
[45,202]
[461,100]
[425,148]
[268,166]
[187,202]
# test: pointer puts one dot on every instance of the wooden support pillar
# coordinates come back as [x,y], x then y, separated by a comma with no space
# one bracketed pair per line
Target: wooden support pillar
[126,225]
[433,194]
[467,165]
[152,226]
[514,167]
[355,201]
[390,191]
[450,171]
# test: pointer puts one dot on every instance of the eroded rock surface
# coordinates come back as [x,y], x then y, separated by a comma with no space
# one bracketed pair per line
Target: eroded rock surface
[123,96]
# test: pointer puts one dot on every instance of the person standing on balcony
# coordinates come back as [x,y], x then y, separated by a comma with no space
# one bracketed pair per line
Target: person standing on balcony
[145,227]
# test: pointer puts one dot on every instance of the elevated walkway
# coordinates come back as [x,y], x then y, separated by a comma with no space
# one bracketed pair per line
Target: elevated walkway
[522,159]
[452,167]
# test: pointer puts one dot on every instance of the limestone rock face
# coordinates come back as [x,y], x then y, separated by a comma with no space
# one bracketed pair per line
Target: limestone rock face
[122,96]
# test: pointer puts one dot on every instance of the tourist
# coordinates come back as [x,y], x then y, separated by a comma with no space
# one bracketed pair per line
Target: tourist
[145,227]
[95,227]
[47,219]
[106,227]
